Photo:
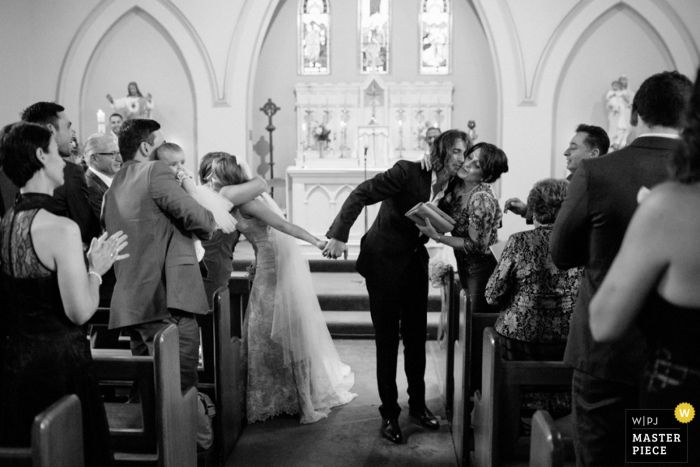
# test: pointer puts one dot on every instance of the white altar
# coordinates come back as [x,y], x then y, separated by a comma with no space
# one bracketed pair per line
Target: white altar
[349,133]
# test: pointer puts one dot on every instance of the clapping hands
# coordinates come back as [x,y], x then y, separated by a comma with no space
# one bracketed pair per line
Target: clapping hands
[104,251]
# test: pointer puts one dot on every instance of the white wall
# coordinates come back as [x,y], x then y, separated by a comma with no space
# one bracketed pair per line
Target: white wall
[472,70]
[526,70]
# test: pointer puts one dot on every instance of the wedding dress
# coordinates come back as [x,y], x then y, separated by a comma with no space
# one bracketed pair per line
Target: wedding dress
[292,364]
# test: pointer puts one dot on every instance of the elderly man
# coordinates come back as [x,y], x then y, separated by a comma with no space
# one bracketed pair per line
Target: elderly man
[72,197]
[588,232]
[394,262]
[589,141]
[104,161]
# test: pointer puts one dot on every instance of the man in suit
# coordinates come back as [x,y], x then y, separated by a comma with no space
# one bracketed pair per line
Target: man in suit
[160,283]
[589,141]
[588,231]
[394,262]
[104,161]
[72,197]
[115,124]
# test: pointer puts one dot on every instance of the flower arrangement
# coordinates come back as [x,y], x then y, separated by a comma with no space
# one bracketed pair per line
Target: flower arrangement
[322,133]
[437,271]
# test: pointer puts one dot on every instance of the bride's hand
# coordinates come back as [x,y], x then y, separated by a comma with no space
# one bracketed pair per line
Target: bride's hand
[321,244]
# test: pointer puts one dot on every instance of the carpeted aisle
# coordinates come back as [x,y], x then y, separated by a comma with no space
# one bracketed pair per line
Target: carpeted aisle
[350,435]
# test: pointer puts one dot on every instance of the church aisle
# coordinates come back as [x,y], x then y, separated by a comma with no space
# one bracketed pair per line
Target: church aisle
[350,435]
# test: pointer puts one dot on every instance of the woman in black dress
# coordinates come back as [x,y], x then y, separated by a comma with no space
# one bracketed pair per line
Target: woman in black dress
[48,295]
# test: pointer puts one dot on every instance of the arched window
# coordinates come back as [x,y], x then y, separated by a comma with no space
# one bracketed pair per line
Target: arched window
[314,37]
[375,34]
[435,37]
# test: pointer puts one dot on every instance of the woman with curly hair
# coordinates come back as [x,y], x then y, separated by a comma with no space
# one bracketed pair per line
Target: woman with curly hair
[653,283]
[535,297]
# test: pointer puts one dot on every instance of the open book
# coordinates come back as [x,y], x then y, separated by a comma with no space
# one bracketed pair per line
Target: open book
[441,221]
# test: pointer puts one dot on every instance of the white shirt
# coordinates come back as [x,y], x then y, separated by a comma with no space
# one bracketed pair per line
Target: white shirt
[103,177]
[435,197]
[661,135]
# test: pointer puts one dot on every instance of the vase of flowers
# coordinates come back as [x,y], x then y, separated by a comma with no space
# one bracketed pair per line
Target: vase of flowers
[322,134]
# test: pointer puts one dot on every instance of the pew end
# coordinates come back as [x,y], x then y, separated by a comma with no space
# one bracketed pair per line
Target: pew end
[161,428]
[546,443]
[57,438]
[496,417]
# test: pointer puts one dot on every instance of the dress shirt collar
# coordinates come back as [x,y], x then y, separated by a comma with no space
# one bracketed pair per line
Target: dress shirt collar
[101,176]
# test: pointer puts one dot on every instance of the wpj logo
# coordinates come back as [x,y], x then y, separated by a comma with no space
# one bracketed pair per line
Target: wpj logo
[657,435]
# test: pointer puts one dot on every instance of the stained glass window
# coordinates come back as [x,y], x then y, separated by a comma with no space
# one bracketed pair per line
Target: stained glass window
[314,35]
[435,25]
[374,36]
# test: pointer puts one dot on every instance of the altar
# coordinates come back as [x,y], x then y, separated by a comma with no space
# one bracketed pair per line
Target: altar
[349,133]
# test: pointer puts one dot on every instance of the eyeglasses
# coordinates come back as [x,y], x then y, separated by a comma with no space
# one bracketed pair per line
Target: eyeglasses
[113,155]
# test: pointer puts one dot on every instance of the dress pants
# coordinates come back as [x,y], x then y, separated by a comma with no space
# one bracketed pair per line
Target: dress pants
[397,312]
[143,335]
[599,419]
[474,273]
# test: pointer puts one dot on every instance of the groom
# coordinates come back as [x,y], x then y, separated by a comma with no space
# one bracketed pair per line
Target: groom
[394,262]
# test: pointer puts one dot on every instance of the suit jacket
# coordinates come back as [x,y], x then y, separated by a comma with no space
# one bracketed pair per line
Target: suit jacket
[72,202]
[588,232]
[96,190]
[386,248]
[148,204]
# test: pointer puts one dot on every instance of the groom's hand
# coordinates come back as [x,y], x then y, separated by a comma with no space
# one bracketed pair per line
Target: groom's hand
[334,248]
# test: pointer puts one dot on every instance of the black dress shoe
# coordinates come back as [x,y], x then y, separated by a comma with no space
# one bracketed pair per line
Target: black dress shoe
[391,430]
[425,418]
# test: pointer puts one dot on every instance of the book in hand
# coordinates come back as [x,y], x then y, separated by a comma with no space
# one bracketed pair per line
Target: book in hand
[441,221]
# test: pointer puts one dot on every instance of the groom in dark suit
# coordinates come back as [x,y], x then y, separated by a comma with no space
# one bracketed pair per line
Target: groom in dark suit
[394,262]
[589,229]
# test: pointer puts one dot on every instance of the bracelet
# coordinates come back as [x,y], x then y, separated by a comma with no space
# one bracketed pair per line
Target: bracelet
[99,278]
[437,239]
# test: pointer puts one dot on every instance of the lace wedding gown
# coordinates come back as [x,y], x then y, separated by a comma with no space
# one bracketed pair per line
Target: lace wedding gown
[292,364]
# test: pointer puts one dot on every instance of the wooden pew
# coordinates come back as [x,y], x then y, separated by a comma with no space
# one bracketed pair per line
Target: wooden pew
[57,438]
[467,363]
[449,321]
[160,429]
[229,308]
[497,406]
[546,444]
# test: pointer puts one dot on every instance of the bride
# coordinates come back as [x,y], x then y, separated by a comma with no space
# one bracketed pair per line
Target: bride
[293,366]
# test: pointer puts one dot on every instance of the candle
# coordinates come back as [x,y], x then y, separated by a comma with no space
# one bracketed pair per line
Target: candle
[400,123]
[100,121]
[303,127]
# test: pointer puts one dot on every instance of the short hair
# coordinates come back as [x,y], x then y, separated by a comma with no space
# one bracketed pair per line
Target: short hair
[133,133]
[163,149]
[18,144]
[545,199]
[116,114]
[42,113]
[93,141]
[433,128]
[492,159]
[442,145]
[661,99]
[685,164]
[596,137]
[227,171]
[206,163]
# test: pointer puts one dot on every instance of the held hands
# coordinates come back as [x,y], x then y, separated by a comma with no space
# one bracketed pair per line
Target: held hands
[104,252]
[321,244]
[334,248]
[516,206]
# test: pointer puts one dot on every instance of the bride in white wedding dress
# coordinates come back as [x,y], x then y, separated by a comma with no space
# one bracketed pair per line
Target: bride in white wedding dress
[292,364]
